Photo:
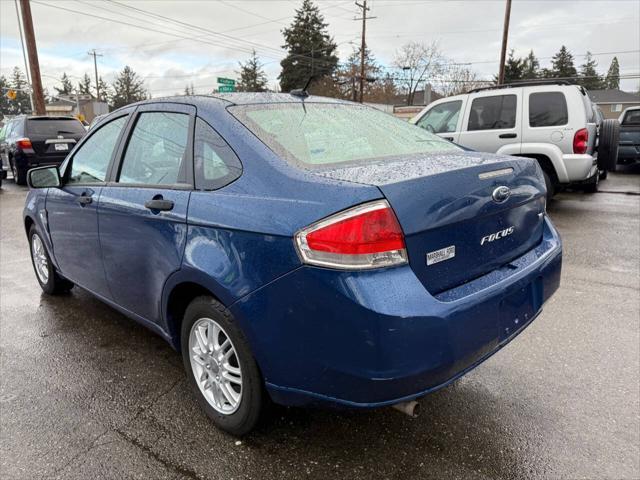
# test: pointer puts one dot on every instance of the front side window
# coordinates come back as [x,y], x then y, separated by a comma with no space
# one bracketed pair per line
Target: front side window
[157,150]
[547,109]
[493,113]
[442,118]
[216,165]
[89,164]
[320,134]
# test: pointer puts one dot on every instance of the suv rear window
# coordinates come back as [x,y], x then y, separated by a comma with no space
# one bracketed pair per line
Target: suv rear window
[547,109]
[320,134]
[51,127]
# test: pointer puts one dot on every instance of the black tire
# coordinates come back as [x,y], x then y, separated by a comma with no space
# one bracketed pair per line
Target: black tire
[54,284]
[608,145]
[19,174]
[592,185]
[245,417]
[548,182]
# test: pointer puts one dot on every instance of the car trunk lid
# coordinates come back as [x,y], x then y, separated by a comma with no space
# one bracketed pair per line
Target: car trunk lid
[456,223]
[53,137]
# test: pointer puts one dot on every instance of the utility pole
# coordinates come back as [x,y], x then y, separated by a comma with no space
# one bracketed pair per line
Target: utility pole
[95,67]
[363,43]
[24,54]
[505,36]
[32,51]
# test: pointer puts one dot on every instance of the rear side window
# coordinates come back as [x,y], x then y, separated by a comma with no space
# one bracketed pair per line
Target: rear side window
[157,150]
[89,164]
[442,118]
[493,113]
[216,165]
[547,109]
[51,128]
[632,117]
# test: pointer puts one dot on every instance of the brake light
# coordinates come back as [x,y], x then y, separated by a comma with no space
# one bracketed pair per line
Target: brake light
[366,236]
[24,144]
[581,141]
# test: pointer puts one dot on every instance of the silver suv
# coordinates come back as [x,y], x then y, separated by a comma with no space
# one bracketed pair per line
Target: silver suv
[555,123]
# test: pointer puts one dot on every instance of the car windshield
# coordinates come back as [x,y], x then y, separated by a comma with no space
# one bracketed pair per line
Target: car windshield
[320,134]
[53,127]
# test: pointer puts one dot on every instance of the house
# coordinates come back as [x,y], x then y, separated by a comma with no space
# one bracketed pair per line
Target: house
[613,102]
[83,107]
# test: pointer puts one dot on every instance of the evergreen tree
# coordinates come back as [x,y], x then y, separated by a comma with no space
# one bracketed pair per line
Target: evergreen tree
[128,88]
[612,79]
[22,103]
[189,90]
[84,86]
[104,91]
[5,103]
[311,52]
[67,86]
[348,76]
[531,67]
[590,78]
[252,76]
[513,68]
[562,65]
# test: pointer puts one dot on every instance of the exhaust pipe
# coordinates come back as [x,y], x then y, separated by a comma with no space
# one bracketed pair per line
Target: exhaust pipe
[411,408]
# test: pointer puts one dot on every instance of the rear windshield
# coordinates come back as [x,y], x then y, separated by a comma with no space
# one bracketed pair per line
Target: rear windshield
[632,117]
[51,127]
[317,134]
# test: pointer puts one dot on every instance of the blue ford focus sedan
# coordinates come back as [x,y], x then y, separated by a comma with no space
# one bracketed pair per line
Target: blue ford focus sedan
[297,249]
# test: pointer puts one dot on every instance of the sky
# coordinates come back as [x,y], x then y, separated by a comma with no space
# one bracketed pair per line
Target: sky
[214,35]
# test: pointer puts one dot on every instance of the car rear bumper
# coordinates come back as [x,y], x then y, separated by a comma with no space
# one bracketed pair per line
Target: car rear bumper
[25,161]
[580,167]
[369,339]
[628,154]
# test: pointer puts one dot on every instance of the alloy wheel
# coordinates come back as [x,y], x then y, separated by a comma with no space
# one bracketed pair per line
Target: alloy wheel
[215,365]
[40,260]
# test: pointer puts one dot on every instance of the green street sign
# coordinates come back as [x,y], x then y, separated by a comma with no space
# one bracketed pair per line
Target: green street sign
[226,81]
[226,88]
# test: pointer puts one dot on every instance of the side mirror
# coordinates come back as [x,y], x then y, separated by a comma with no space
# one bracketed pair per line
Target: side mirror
[44,177]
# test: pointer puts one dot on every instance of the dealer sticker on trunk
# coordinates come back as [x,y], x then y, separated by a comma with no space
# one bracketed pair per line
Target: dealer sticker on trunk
[441,255]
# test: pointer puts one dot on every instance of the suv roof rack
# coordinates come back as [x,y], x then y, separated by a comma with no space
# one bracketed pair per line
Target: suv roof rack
[532,83]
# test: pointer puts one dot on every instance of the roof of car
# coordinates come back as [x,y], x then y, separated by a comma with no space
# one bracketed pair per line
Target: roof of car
[249,98]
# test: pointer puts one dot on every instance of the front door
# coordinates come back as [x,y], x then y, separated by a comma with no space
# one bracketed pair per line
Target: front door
[72,209]
[143,214]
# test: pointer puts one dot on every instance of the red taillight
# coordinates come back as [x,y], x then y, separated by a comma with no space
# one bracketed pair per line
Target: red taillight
[581,141]
[24,144]
[367,236]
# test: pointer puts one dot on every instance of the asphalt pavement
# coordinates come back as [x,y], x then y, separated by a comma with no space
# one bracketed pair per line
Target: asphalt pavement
[87,393]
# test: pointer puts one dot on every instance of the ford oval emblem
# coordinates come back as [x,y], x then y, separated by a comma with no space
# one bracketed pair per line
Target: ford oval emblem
[501,194]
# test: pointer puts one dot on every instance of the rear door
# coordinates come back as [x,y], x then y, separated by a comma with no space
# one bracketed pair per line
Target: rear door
[491,120]
[72,208]
[143,210]
[53,138]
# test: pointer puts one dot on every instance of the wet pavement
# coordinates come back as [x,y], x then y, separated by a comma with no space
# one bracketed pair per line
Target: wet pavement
[87,393]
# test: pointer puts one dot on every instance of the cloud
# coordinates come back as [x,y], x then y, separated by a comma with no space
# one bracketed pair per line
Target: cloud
[171,55]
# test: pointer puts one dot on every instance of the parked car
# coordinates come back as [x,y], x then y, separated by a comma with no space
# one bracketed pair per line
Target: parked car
[554,123]
[36,141]
[300,249]
[629,152]
[3,157]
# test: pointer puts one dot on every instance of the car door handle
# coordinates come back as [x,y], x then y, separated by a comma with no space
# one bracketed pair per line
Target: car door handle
[449,138]
[159,204]
[84,199]
[508,135]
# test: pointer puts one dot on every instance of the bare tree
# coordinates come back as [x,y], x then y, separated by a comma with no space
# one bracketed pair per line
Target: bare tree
[457,79]
[417,63]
